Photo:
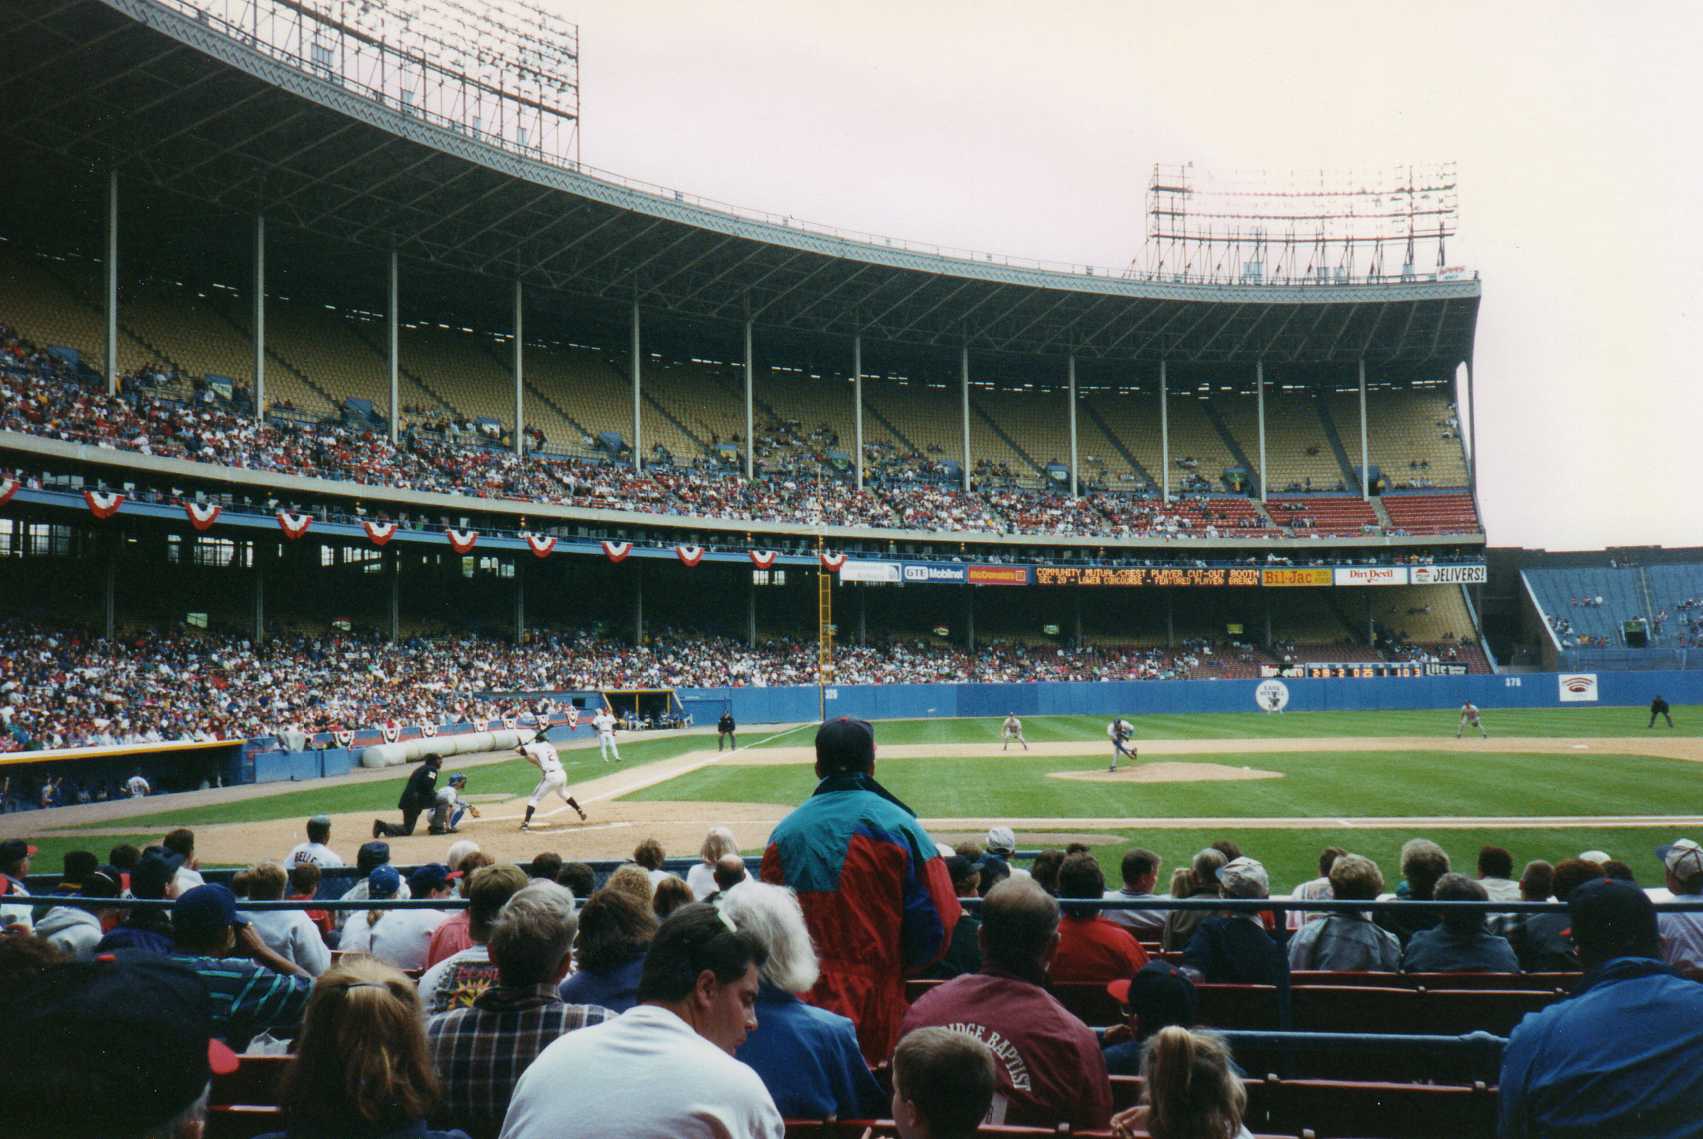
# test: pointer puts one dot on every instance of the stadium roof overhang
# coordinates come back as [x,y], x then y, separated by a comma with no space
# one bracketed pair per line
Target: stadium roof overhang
[190,114]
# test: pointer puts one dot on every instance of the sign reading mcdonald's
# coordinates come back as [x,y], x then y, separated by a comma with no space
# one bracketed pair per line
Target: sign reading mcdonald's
[999,575]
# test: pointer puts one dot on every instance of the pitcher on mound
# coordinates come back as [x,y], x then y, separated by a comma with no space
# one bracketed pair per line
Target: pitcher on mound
[542,755]
[1120,731]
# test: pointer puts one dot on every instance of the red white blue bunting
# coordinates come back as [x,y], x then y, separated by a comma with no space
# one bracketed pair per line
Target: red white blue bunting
[8,487]
[832,562]
[379,532]
[764,559]
[617,551]
[541,546]
[103,504]
[202,514]
[294,525]
[462,541]
[690,555]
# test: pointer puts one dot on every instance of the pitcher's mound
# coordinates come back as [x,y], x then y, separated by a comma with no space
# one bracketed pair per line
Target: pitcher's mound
[1169,773]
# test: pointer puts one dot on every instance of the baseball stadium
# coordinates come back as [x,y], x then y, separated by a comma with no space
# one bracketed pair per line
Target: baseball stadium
[371,464]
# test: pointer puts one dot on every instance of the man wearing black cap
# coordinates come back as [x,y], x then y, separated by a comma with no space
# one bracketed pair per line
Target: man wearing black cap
[114,1047]
[15,855]
[1621,1056]
[75,930]
[370,857]
[420,795]
[253,989]
[876,894]
[147,930]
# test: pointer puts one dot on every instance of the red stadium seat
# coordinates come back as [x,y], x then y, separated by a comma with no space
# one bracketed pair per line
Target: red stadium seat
[1450,1012]
[1356,1008]
[1239,1006]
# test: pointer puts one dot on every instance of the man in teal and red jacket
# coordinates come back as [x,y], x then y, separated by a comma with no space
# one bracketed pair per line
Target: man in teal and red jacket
[876,894]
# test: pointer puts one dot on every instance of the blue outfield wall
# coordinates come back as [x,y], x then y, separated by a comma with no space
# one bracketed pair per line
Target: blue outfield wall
[1174,697]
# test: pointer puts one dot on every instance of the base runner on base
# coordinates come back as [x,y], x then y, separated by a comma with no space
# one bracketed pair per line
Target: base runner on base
[542,755]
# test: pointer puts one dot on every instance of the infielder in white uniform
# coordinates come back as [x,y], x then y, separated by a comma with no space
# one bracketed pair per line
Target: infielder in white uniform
[542,755]
[137,786]
[1469,715]
[1012,729]
[1120,731]
[604,722]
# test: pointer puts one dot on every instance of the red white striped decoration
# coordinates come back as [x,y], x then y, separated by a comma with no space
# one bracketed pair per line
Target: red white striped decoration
[392,733]
[294,525]
[691,555]
[462,541]
[573,716]
[617,551]
[103,504]
[428,729]
[343,738]
[764,559]
[8,487]
[541,546]
[202,514]
[832,562]
[379,532]
[510,723]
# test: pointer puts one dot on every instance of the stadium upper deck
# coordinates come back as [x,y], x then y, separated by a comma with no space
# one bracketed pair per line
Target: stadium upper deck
[192,134]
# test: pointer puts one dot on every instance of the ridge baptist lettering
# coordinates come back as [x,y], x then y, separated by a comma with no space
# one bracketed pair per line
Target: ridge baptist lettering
[1139,576]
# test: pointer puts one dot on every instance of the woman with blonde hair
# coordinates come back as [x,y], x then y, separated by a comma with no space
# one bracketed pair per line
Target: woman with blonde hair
[701,878]
[1190,1090]
[361,1069]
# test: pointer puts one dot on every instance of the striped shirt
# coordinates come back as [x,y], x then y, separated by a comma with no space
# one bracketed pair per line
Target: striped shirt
[248,998]
[481,1052]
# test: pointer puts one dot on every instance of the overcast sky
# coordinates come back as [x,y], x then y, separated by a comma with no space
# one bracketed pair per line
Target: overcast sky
[1032,128]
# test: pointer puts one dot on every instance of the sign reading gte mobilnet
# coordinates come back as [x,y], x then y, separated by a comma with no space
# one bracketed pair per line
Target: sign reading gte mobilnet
[1577,687]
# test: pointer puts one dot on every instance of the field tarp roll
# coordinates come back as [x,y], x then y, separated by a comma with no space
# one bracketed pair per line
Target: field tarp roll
[411,751]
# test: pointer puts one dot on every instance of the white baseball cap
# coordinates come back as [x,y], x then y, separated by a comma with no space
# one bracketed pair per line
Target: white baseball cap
[1682,857]
[1595,856]
[1001,838]
[1244,878]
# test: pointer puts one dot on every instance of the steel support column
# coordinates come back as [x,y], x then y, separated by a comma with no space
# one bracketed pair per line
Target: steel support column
[964,389]
[1259,391]
[1072,379]
[1365,458]
[1076,618]
[862,614]
[638,440]
[970,617]
[394,351]
[1164,437]
[638,605]
[750,415]
[519,602]
[393,567]
[259,592]
[259,387]
[519,369]
[1170,624]
[857,407]
[111,267]
[751,613]
[1472,435]
[109,588]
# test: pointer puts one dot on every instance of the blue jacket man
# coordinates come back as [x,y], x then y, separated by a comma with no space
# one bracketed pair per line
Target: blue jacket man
[1620,1057]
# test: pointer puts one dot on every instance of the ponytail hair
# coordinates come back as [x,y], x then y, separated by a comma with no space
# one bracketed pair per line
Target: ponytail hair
[1191,1090]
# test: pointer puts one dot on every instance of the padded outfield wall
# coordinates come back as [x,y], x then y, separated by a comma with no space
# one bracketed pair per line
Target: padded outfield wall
[1148,697]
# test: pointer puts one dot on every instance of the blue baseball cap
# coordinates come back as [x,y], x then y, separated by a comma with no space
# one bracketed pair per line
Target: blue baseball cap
[458,777]
[205,910]
[383,882]
[431,876]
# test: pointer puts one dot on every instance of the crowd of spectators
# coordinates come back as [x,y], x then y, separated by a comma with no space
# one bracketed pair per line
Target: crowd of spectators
[798,482]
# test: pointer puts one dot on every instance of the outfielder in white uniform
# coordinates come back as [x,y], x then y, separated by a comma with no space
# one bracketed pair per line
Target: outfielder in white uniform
[1469,715]
[1013,729]
[604,722]
[542,755]
[1120,731]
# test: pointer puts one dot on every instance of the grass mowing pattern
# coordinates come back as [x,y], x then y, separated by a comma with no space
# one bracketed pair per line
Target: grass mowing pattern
[1316,784]
[378,797]
[1545,723]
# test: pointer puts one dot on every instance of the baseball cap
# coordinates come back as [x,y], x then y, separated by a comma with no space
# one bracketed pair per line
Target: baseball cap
[1682,857]
[458,777]
[1244,878]
[431,876]
[116,1046]
[320,821]
[158,866]
[15,850]
[204,910]
[1001,838]
[1160,994]
[372,854]
[1597,856]
[845,744]
[103,883]
[383,882]
[1612,918]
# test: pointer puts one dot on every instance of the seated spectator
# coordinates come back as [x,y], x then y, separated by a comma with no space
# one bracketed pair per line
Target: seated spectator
[1234,948]
[1159,996]
[181,842]
[123,1046]
[964,954]
[1620,1056]
[1422,863]
[1348,940]
[665,1066]
[1091,948]
[1460,943]
[671,894]
[808,1057]
[304,887]
[615,934]
[1542,942]
[1001,846]
[1044,869]
[453,934]
[717,843]
[1190,1090]
[546,865]
[290,934]
[1051,1070]
[399,937]
[1495,873]
[1202,882]
[361,1070]
[943,1084]
[632,880]
[579,878]
[992,872]
[1537,884]
[76,931]
[650,856]
[1681,933]
[457,980]
[148,930]
[481,1049]
[253,989]
[729,872]
[368,858]
[1140,875]
[1315,888]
